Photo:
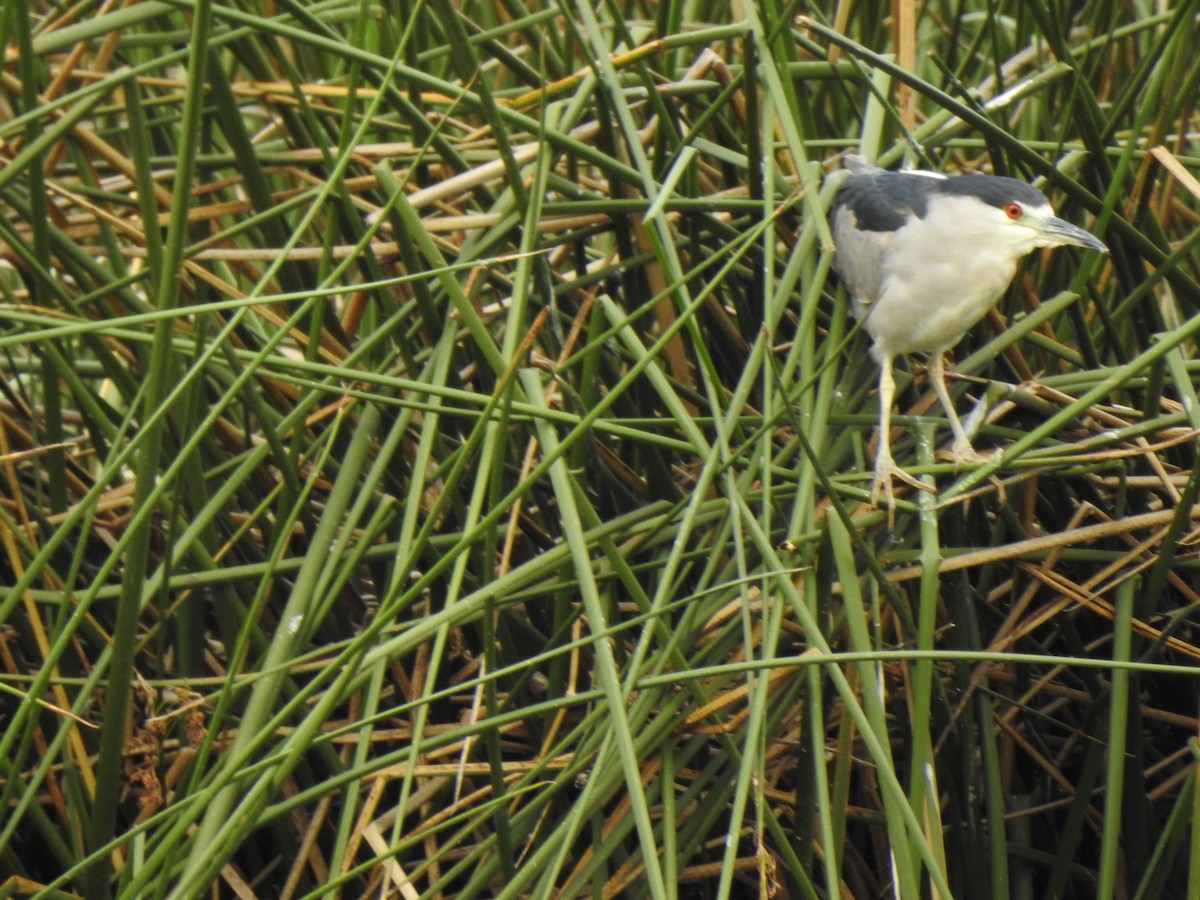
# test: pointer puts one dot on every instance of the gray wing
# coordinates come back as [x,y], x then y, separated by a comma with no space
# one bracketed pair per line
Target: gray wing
[859,165]
[858,254]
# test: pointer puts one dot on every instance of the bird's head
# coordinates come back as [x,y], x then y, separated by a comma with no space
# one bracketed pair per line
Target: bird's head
[1009,212]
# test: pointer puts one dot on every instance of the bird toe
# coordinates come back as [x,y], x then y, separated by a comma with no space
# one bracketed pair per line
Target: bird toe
[963,455]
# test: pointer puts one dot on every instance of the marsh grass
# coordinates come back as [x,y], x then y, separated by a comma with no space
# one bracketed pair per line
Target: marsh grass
[435,454]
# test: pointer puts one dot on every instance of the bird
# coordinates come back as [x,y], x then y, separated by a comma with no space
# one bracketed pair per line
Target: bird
[924,256]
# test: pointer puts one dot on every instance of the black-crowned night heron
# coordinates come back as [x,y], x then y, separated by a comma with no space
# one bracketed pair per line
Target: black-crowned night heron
[924,257]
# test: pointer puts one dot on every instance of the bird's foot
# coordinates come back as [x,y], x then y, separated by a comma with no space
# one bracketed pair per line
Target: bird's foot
[963,454]
[882,488]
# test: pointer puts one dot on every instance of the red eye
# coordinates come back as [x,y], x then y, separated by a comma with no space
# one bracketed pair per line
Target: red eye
[1014,210]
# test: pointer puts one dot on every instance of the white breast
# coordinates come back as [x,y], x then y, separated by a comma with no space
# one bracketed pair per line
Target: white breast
[928,298]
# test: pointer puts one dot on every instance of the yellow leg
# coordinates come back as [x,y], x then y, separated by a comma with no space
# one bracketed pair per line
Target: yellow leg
[962,449]
[885,466]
